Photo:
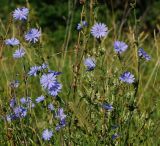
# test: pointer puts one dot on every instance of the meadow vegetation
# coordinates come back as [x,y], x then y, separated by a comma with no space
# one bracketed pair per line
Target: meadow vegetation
[91,81]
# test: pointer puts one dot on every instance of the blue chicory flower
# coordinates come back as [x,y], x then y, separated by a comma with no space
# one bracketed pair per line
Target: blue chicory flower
[55,89]
[44,66]
[120,46]
[107,106]
[99,30]
[60,125]
[20,112]
[12,42]
[20,13]
[13,102]
[33,35]
[47,134]
[48,80]
[27,102]
[34,70]
[40,99]
[19,53]
[90,64]
[50,83]
[80,26]
[50,107]
[23,100]
[127,77]
[60,114]
[62,119]
[143,54]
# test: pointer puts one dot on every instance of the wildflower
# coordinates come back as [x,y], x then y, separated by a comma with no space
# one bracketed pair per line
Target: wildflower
[13,102]
[12,42]
[90,64]
[20,112]
[33,71]
[33,35]
[127,77]
[63,122]
[51,107]
[60,125]
[48,80]
[60,114]
[50,83]
[84,23]
[23,100]
[143,54]
[40,99]
[81,25]
[55,89]
[47,134]
[115,136]
[44,66]
[20,13]
[99,30]
[14,84]
[120,46]
[10,117]
[107,107]
[62,117]
[27,102]
[19,53]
